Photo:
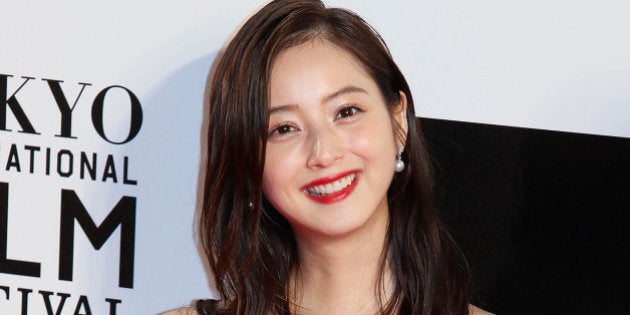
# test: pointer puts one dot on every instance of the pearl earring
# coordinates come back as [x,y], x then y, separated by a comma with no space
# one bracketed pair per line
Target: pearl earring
[400,164]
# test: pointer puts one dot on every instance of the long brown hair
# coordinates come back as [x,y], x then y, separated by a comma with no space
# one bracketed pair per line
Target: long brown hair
[250,246]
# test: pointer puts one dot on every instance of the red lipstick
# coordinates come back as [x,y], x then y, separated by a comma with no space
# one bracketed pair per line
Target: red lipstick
[334,196]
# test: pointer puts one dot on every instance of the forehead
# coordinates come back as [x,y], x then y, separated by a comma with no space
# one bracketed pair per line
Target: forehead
[314,50]
[315,68]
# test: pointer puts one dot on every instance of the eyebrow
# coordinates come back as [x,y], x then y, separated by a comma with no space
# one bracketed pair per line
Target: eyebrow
[345,90]
[283,108]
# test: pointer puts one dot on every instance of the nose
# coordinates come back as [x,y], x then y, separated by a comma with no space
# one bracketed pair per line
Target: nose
[326,149]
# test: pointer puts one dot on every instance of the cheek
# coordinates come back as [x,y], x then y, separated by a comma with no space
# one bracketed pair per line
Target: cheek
[272,188]
[374,141]
[272,178]
[281,167]
[280,184]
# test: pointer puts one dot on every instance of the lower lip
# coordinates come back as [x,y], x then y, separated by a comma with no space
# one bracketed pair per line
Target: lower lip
[338,196]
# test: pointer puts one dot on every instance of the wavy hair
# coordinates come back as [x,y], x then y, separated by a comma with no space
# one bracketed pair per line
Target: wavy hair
[250,247]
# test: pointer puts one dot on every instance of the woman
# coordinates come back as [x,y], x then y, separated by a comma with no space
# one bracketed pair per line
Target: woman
[317,192]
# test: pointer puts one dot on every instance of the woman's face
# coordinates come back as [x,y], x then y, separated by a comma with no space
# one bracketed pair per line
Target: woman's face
[331,147]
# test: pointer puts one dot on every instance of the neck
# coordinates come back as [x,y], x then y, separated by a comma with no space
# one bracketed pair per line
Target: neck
[341,275]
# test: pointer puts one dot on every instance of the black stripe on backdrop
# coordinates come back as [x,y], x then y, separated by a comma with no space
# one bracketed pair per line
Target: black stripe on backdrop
[543,217]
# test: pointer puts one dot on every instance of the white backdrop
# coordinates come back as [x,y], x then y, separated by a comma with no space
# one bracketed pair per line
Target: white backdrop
[561,65]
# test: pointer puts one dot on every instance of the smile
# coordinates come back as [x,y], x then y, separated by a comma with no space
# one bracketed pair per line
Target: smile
[332,189]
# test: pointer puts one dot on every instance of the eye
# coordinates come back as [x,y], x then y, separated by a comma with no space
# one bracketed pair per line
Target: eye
[282,129]
[347,112]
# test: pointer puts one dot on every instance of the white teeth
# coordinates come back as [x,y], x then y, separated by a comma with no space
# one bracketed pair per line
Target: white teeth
[331,188]
[317,190]
[337,186]
[346,181]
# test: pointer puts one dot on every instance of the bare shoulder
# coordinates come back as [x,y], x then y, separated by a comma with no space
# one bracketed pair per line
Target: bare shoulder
[181,311]
[473,310]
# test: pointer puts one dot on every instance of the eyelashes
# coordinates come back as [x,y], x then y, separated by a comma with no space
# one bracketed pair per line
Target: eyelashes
[348,112]
[282,129]
[286,127]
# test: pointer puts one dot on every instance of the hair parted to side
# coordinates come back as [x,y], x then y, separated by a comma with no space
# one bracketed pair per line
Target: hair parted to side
[250,246]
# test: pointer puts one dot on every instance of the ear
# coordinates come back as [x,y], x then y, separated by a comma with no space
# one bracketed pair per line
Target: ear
[399,116]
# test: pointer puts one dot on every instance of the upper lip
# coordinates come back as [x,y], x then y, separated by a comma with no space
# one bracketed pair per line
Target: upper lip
[328,179]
